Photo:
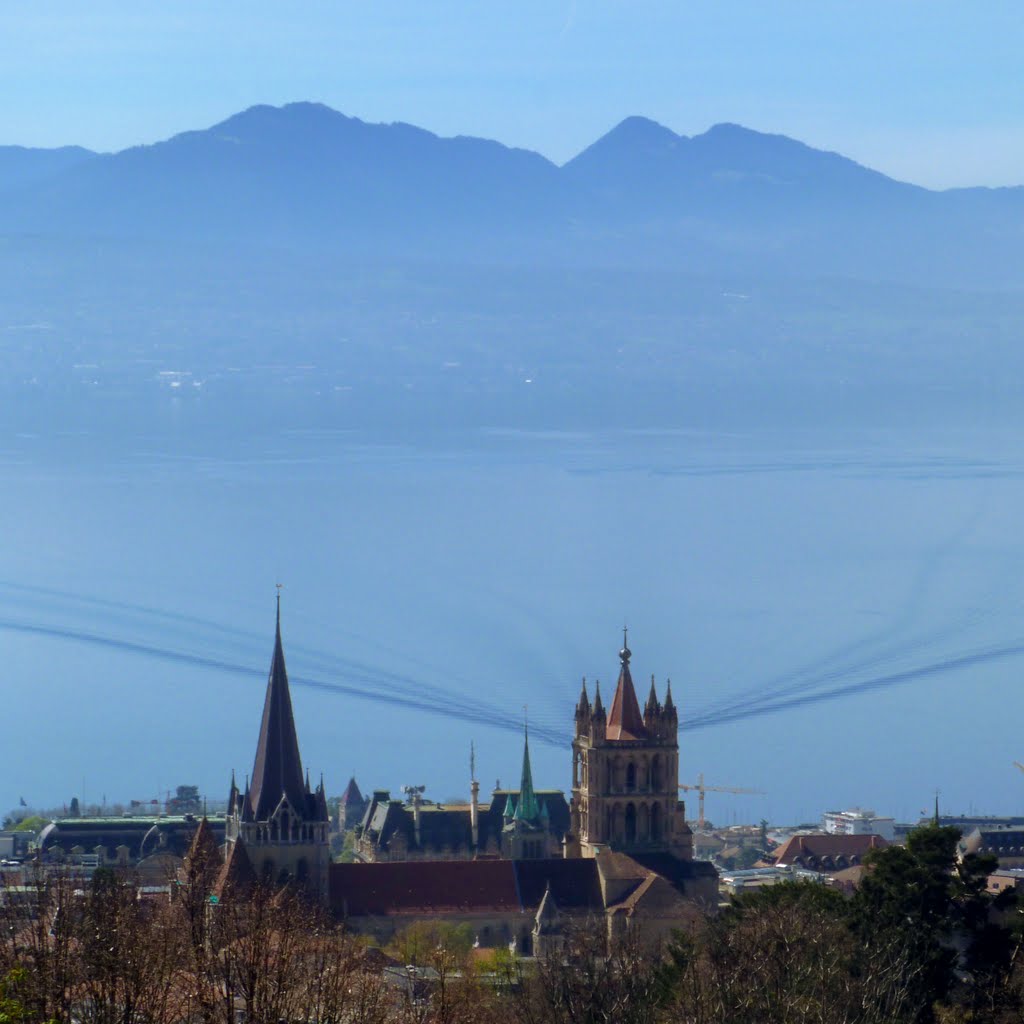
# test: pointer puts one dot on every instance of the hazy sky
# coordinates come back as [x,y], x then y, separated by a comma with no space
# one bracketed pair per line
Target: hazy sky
[926,91]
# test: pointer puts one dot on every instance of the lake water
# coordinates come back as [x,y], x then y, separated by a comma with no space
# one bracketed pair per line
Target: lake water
[433,588]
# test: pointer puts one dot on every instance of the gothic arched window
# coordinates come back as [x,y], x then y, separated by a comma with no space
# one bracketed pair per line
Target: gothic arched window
[630,823]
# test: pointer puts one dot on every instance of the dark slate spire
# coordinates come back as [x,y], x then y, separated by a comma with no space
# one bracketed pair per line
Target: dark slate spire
[277,771]
[237,876]
[527,809]
[351,794]
[598,706]
[322,811]
[583,705]
[204,852]
[624,719]
[669,705]
[651,707]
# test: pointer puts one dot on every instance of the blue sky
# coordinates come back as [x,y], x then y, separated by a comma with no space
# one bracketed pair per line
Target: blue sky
[926,91]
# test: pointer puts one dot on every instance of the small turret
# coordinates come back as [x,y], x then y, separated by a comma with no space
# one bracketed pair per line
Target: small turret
[670,708]
[599,717]
[321,801]
[510,808]
[652,708]
[583,708]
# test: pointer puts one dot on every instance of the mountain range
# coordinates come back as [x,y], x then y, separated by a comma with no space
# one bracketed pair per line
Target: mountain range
[304,175]
[296,266]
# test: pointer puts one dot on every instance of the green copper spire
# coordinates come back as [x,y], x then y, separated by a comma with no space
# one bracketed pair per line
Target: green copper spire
[528,808]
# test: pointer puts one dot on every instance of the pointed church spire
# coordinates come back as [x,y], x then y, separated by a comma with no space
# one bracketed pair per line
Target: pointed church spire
[624,719]
[583,706]
[669,705]
[204,852]
[277,770]
[598,706]
[651,707]
[527,809]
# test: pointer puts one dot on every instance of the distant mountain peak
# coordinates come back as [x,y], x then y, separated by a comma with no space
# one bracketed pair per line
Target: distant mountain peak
[639,132]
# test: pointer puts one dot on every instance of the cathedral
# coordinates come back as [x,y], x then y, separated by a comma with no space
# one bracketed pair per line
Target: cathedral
[622,850]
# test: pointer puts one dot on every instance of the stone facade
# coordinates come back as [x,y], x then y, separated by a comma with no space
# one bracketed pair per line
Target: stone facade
[625,794]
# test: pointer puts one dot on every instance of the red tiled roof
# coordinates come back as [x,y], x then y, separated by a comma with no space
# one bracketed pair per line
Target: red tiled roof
[624,719]
[409,887]
[468,886]
[351,794]
[574,882]
[823,844]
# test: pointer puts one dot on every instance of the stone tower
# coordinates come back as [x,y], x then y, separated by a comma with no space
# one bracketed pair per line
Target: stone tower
[281,822]
[625,772]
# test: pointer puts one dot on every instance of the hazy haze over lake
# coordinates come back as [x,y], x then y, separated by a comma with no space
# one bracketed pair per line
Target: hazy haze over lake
[498,567]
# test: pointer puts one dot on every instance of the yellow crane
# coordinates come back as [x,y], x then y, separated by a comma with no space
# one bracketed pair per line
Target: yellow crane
[702,789]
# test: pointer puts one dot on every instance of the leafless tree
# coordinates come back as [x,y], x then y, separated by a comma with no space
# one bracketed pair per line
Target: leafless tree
[38,938]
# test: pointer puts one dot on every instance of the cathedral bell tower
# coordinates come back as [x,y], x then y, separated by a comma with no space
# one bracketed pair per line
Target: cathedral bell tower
[625,772]
[281,822]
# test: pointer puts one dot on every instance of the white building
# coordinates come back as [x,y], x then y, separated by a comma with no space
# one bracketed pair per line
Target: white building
[734,883]
[859,822]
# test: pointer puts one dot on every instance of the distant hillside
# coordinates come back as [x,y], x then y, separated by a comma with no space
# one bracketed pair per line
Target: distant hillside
[294,265]
[305,176]
[20,166]
[298,175]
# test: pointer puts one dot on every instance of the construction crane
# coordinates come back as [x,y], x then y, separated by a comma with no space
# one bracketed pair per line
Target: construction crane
[702,789]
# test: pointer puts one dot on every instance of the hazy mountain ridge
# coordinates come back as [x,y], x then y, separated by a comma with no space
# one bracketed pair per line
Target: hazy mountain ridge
[305,175]
[22,166]
[294,265]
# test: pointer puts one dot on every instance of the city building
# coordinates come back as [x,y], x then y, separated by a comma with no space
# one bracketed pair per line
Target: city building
[393,829]
[1005,843]
[859,822]
[825,852]
[518,874]
[147,844]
